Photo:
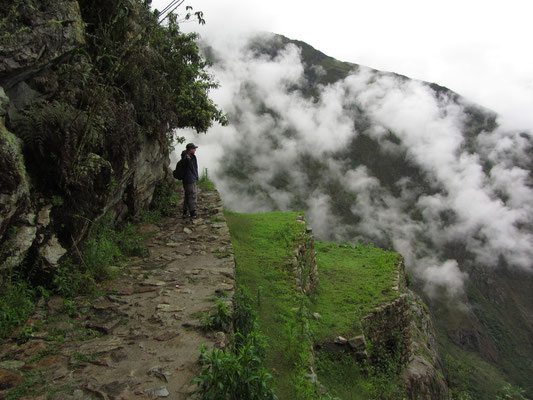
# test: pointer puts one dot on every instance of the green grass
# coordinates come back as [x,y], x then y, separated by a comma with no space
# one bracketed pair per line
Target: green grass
[353,281]
[16,304]
[346,379]
[205,183]
[263,245]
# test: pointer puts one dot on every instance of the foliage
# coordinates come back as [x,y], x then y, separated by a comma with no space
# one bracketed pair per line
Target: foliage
[349,380]
[103,248]
[165,199]
[217,320]
[238,372]
[205,182]
[131,81]
[244,316]
[510,392]
[16,304]
[354,279]
[264,246]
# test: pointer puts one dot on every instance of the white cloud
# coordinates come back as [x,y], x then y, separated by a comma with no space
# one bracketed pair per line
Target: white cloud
[430,133]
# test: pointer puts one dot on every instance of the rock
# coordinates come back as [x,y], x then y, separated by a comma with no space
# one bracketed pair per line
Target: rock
[101,347]
[160,391]
[116,299]
[102,362]
[52,251]
[224,287]
[9,379]
[78,394]
[166,336]
[118,355]
[55,304]
[160,372]
[220,340]
[105,325]
[185,251]
[32,348]
[47,362]
[114,389]
[358,343]
[12,365]
[148,228]
[43,218]
[187,231]
[169,308]
[192,324]
[146,289]
[4,102]
[317,315]
[340,340]
[126,291]
[153,283]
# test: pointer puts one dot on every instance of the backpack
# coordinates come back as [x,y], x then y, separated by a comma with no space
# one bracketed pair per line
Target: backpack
[179,172]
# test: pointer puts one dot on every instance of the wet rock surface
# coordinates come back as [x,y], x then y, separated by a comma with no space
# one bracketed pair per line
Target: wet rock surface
[140,339]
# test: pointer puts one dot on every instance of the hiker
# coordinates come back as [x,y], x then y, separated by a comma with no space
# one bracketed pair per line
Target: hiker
[190,178]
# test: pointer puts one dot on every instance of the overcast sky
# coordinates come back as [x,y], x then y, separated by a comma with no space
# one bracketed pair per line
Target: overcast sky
[479,48]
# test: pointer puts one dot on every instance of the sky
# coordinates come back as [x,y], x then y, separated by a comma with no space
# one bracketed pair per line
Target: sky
[480,49]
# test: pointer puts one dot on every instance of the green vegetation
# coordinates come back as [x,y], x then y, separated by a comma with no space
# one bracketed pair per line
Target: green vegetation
[104,248]
[16,304]
[264,245]
[349,380]
[353,281]
[220,319]
[205,183]
[164,203]
[237,372]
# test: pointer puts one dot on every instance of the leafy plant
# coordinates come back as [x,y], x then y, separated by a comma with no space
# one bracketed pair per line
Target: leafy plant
[165,199]
[205,182]
[16,304]
[236,373]
[220,319]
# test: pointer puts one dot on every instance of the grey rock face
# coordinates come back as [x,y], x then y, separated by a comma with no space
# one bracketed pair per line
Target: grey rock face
[38,37]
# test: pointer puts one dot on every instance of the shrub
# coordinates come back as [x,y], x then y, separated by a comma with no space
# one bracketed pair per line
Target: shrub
[16,304]
[236,373]
[165,199]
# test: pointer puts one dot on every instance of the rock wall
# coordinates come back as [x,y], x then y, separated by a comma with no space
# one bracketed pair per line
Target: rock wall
[38,38]
[402,331]
[422,377]
[304,262]
[388,326]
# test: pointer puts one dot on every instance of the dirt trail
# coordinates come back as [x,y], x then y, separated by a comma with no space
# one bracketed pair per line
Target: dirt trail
[149,317]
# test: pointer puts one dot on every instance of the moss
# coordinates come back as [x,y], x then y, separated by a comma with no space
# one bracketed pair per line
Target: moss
[15,149]
[353,281]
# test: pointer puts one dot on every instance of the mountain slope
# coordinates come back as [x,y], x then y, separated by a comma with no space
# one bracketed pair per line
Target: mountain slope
[377,157]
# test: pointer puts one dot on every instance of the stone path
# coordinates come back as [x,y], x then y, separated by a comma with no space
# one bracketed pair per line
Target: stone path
[148,318]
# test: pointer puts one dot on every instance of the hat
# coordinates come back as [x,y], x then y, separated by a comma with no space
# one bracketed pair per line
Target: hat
[191,146]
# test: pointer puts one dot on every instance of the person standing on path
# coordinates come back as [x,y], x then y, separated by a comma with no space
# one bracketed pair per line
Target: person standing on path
[189,180]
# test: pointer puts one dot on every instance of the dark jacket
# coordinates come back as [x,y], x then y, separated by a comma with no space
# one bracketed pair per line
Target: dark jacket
[191,167]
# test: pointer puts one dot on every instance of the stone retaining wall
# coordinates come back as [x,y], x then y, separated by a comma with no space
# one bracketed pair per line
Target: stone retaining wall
[304,262]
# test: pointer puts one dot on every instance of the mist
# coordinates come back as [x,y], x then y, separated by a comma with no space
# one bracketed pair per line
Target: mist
[470,192]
